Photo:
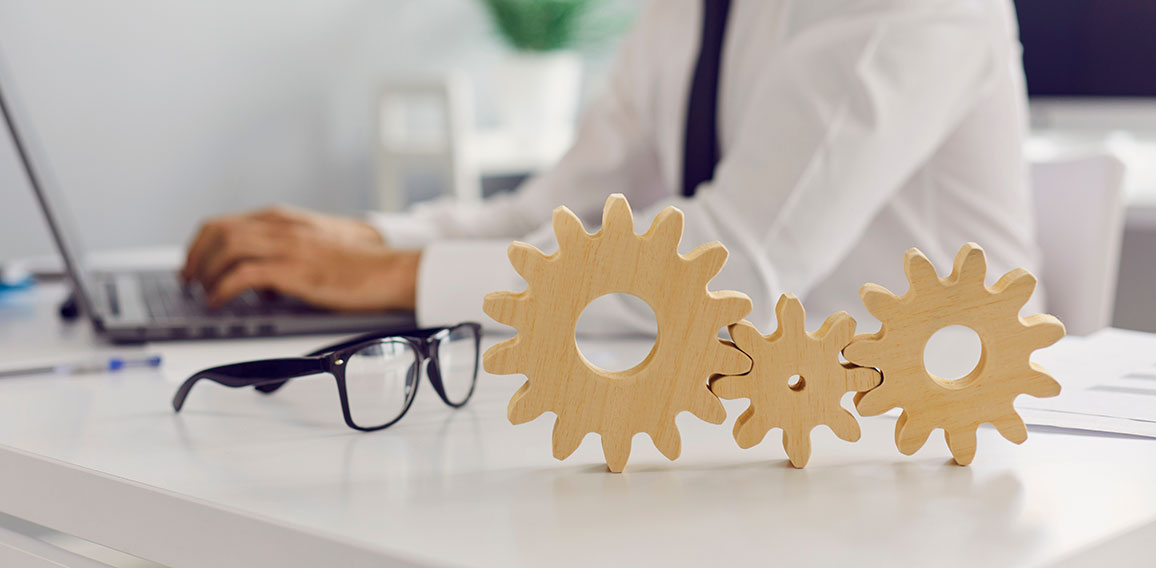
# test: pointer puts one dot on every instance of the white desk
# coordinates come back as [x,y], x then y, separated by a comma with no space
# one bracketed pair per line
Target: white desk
[240,479]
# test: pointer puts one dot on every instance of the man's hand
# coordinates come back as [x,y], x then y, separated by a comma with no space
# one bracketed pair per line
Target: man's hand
[327,261]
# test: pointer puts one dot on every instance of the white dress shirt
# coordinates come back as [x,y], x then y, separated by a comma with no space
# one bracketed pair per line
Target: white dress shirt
[849,131]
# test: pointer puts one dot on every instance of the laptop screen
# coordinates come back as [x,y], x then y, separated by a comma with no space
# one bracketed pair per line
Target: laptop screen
[36,168]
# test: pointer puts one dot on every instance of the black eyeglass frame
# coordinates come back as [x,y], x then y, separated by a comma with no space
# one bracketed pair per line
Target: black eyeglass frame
[268,375]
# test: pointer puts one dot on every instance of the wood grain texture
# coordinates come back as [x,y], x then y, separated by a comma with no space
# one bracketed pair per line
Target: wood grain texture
[673,376]
[983,396]
[821,380]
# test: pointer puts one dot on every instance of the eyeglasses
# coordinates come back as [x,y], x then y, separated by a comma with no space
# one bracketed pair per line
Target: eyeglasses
[377,376]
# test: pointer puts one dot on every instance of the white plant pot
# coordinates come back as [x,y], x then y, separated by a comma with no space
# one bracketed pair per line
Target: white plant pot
[538,96]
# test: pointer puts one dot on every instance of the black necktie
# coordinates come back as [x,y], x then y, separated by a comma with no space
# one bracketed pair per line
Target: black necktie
[700,147]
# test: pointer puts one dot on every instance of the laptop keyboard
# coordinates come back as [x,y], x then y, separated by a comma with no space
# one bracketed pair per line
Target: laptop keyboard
[167,297]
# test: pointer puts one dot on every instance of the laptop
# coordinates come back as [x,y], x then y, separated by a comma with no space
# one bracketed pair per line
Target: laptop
[137,306]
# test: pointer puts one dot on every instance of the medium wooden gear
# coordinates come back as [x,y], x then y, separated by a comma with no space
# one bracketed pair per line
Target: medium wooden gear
[647,397]
[983,396]
[822,380]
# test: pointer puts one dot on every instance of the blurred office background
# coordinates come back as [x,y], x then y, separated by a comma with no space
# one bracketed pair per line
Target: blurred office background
[158,114]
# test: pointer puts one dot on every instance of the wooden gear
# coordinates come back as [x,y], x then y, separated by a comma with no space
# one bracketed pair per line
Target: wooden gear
[813,400]
[647,397]
[983,396]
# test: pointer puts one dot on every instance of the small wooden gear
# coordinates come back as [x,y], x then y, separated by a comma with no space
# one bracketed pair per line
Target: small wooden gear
[983,396]
[647,397]
[821,380]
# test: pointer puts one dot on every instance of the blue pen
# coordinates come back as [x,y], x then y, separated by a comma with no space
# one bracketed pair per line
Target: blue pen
[93,365]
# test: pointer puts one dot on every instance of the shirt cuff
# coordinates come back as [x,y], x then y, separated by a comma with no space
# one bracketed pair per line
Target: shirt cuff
[454,277]
[402,230]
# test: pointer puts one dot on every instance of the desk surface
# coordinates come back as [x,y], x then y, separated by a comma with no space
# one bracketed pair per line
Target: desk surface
[240,478]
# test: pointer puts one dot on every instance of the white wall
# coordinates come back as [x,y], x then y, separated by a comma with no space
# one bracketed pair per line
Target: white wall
[156,114]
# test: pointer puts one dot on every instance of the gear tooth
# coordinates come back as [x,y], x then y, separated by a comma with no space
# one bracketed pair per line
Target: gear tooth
[668,441]
[745,335]
[1042,330]
[568,230]
[861,350]
[566,439]
[616,448]
[792,318]
[1011,427]
[961,442]
[858,396]
[666,230]
[502,358]
[713,256]
[526,259]
[845,426]
[873,402]
[879,301]
[970,265]
[1040,384]
[731,360]
[748,430]
[616,216]
[862,379]
[837,331]
[798,446]
[503,306]
[731,387]
[729,306]
[1015,288]
[523,406]
[706,405]
[919,269]
[910,435]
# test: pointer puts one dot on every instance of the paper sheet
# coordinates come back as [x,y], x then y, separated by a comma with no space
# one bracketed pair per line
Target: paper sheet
[1108,380]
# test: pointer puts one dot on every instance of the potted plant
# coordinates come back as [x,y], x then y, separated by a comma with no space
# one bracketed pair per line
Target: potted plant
[538,84]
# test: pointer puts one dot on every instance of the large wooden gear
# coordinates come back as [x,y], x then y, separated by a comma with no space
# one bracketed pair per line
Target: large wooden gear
[647,397]
[983,396]
[821,380]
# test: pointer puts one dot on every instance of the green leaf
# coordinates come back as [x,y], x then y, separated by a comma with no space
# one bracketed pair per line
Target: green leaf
[539,25]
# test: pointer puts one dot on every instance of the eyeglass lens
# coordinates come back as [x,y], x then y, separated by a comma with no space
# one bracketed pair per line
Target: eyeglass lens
[380,380]
[458,363]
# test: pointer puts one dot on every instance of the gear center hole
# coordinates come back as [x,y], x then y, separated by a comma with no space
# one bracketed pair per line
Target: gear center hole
[952,354]
[596,341]
[796,383]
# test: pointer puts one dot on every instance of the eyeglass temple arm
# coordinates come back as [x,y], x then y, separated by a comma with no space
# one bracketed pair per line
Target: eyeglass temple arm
[271,386]
[252,373]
